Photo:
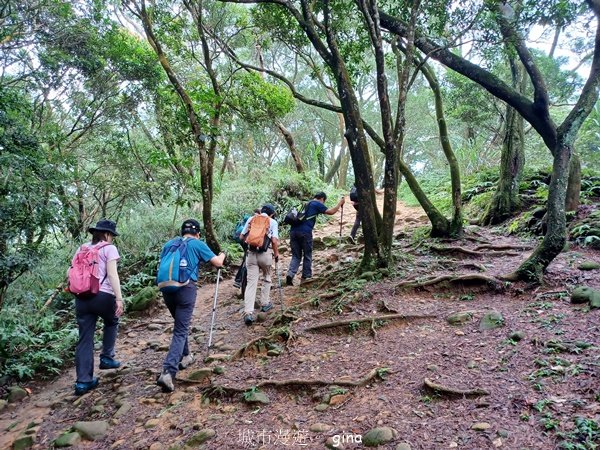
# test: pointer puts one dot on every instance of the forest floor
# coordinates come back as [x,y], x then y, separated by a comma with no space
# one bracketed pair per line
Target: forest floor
[519,385]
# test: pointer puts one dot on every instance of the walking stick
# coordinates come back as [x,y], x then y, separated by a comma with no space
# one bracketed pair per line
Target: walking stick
[341,219]
[214,312]
[279,283]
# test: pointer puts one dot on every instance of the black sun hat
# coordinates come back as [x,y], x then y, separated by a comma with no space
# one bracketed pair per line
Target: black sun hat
[105,225]
[190,226]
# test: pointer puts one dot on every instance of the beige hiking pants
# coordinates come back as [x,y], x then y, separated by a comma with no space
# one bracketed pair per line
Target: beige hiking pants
[257,264]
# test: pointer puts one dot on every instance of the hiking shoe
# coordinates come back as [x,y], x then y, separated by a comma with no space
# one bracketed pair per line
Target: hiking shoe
[288,281]
[352,240]
[249,319]
[108,363]
[83,387]
[165,381]
[186,361]
[237,284]
[266,308]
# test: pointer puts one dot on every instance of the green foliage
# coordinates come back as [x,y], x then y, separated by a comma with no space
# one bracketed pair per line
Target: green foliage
[27,209]
[436,186]
[35,342]
[258,100]
[585,435]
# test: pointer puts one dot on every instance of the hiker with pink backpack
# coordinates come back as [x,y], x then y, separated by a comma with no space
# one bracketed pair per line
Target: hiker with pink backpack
[94,280]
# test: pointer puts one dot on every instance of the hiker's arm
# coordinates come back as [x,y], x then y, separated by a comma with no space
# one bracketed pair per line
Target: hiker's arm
[218,260]
[332,211]
[115,283]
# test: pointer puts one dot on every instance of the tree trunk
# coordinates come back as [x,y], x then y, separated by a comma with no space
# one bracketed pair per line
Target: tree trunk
[289,140]
[440,226]
[456,225]
[206,157]
[574,185]
[505,201]
[532,268]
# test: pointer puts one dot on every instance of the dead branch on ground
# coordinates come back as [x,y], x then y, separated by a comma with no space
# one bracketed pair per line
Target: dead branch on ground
[445,390]
[342,323]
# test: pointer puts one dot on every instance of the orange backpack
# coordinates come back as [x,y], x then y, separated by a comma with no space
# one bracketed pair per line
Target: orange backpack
[258,234]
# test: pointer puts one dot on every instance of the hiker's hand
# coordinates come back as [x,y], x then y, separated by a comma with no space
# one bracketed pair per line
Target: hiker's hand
[119,309]
[342,201]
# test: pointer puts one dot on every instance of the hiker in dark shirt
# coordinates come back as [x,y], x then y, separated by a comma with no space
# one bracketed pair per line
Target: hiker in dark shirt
[301,237]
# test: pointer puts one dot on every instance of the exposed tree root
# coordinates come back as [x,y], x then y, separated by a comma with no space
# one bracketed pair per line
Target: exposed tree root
[284,332]
[387,308]
[483,279]
[372,319]
[471,266]
[445,390]
[466,251]
[502,247]
[297,382]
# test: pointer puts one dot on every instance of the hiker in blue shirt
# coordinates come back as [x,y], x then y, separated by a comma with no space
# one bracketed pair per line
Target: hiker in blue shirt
[301,238]
[181,302]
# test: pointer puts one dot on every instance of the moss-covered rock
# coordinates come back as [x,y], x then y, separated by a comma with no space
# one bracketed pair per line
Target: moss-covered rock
[68,440]
[201,437]
[585,294]
[589,265]
[378,436]
[491,320]
[459,318]
[145,298]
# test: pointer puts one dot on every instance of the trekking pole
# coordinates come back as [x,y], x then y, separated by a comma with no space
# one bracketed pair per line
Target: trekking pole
[214,312]
[279,283]
[341,219]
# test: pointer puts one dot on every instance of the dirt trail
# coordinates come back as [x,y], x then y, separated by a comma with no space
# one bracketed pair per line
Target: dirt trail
[305,416]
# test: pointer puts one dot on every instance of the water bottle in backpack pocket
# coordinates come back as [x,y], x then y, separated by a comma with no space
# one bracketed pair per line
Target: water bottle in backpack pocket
[173,269]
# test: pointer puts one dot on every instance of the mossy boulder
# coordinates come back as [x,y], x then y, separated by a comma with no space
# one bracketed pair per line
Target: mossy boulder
[201,437]
[378,436]
[23,442]
[589,265]
[491,320]
[16,394]
[92,431]
[256,397]
[459,318]
[145,298]
[585,294]
[68,440]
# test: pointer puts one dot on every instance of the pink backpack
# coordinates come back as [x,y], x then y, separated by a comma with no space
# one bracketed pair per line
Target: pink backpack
[83,273]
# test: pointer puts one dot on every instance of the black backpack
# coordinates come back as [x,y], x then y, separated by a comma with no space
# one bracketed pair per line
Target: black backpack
[353,194]
[295,217]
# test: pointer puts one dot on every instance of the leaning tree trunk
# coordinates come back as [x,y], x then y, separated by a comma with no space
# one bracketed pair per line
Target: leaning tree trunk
[506,198]
[456,225]
[554,241]
[440,227]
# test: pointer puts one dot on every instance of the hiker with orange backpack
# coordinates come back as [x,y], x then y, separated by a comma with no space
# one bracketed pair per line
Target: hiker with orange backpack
[94,281]
[261,234]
